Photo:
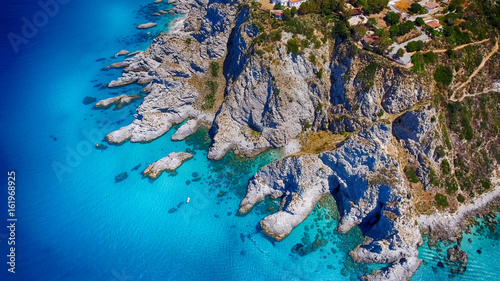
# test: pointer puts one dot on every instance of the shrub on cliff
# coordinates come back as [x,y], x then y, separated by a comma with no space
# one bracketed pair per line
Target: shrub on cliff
[292,46]
[214,69]
[441,200]
[443,75]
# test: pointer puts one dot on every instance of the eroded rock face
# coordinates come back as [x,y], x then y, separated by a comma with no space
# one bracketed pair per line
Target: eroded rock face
[416,131]
[267,105]
[363,87]
[300,182]
[119,101]
[369,189]
[171,58]
[164,107]
[168,163]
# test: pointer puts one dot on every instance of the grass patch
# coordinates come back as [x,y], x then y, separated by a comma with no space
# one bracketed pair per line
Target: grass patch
[441,200]
[411,174]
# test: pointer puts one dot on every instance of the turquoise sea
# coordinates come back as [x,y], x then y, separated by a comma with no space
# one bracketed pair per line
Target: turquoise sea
[76,223]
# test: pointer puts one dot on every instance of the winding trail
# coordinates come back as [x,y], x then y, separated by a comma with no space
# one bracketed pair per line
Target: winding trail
[461,46]
[460,86]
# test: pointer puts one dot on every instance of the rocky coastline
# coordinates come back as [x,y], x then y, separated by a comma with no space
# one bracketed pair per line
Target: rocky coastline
[261,104]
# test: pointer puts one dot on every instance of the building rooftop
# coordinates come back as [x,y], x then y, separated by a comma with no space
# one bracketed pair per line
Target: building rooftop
[431,5]
[433,23]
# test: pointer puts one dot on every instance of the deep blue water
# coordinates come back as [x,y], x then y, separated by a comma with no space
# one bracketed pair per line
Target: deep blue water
[76,223]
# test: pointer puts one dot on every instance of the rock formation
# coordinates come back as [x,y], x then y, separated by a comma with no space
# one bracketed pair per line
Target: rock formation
[119,101]
[368,186]
[147,25]
[168,163]
[272,98]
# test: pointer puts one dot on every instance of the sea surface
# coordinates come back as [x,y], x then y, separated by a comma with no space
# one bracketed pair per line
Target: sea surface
[75,222]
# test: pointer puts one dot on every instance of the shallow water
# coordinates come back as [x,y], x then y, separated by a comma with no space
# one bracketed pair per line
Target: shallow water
[76,223]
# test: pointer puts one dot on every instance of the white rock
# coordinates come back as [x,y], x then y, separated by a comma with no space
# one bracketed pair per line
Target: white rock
[168,163]
[147,25]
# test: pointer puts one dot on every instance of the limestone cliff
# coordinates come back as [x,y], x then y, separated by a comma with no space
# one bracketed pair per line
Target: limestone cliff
[257,87]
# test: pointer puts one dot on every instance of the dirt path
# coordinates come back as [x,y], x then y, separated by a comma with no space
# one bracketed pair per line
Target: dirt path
[460,86]
[461,46]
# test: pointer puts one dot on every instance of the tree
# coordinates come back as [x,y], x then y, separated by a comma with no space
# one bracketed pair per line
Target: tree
[293,46]
[415,8]
[400,53]
[287,15]
[419,21]
[443,75]
[294,11]
[391,18]
[415,46]
[277,6]
[340,30]
[385,42]
[450,18]
[358,32]
[377,5]
[372,22]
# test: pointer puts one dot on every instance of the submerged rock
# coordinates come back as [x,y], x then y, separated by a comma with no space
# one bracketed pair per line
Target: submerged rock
[168,163]
[88,100]
[120,177]
[100,146]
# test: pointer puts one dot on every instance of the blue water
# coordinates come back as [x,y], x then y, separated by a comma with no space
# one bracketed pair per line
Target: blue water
[78,224]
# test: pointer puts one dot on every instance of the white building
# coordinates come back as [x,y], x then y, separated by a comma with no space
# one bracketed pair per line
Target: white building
[289,3]
[295,3]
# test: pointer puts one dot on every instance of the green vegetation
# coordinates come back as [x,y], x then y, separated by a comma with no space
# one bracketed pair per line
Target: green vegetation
[367,76]
[292,46]
[400,53]
[441,200]
[401,29]
[210,98]
[460,198]
[454,36]
[375,6]
[214,69]
[430,57]
[445,167]
[416,8]
[320,73]
[322,7]
[411,174]
[418,61]
[459,120]
[443,75]
[419,21]
[372,22]
[433,179]
[391,18]
[415,46]
[451,185]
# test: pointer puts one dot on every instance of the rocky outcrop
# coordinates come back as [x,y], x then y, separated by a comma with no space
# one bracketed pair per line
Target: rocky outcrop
[299,181]
[267,105]
[166,65]
[168,163]
[147,25]
[122,53]
[164,107]
[119,101]
[364,86]
[369,189]
[416,131]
